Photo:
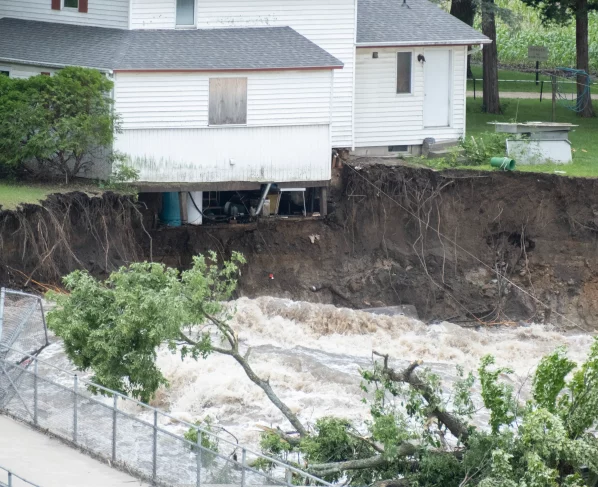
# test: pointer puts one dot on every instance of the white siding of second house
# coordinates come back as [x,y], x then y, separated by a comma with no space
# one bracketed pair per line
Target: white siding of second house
[384,118]
[329,24]
[166,132]
[153,14]
[24,71]
[102,13]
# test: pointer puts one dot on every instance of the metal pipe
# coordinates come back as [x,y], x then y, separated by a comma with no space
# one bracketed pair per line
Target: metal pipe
[243,463]
[198,459]
[264,194]
[35,392]
[75,394]
[114,414]
[155,447]
[2,296]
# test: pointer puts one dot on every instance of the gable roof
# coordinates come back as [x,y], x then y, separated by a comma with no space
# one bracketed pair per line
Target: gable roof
[411,23]
[229,49]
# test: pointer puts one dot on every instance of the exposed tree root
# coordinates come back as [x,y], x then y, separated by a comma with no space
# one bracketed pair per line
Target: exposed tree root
[68,232]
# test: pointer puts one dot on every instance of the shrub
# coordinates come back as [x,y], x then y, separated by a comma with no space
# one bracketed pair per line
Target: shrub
[56,125]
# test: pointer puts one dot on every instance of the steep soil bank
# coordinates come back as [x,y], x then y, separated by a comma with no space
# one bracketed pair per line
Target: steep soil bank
[41,243]
[380,245]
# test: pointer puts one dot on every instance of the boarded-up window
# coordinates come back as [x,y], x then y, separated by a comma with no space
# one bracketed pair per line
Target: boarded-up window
[228,101]
[403,72]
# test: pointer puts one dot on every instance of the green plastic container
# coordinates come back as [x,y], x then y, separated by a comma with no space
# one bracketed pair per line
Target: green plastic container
[503,163]
[171,211]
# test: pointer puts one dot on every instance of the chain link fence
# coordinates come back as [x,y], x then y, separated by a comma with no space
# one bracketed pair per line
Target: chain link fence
[134,436]
[22,327]
[11,479]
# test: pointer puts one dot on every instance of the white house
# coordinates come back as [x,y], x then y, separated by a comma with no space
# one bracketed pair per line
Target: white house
[218,94]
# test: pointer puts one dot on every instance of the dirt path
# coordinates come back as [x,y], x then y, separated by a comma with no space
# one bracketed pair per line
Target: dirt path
[50,463]
[521,94]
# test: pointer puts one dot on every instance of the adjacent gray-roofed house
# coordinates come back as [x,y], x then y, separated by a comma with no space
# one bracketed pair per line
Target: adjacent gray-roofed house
[411,23]
[54,44]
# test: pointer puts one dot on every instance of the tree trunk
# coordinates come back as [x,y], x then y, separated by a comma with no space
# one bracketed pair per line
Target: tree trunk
[464,10]
[581,42]
[491,102]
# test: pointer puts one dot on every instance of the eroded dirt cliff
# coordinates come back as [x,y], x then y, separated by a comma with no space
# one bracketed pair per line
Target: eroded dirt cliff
[380,245]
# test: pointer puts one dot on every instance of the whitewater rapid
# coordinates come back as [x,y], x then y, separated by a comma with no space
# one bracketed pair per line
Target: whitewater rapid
[312,354]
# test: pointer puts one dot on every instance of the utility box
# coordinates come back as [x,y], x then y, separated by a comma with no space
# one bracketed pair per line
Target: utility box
[538,142]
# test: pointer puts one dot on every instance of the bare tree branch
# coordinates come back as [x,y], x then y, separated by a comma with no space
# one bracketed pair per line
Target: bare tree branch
[408,376]
[376,446]
[322,469]
[233,340]
[392,483]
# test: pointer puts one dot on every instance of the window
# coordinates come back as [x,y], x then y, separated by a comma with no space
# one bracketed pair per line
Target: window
[398,148]
[185,12]
[404,72]
[4,73]
[228,101]
[45,73]
[71,4]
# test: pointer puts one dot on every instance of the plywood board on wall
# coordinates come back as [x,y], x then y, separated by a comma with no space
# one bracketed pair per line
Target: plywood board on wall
[228,101]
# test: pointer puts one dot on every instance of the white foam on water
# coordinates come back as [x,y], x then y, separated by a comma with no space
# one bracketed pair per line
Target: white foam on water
[312,353]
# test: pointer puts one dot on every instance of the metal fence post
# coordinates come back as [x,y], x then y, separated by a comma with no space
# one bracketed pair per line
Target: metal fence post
[155,446]
[114,413]
[35,391]
[243,461]
[198,458]
[9,479]
[474,87]
[41,307]
[75,394]
[541,89]
[2,296]
[289,477]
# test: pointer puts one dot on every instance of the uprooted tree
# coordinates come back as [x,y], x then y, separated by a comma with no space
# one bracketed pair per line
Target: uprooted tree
[56,125]
[418,432]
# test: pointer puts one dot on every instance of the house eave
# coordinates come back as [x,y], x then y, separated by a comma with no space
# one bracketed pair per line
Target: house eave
[226,70]
[25,62]
[423,43]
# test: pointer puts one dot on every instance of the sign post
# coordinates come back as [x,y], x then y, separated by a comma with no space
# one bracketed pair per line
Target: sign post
[537,53]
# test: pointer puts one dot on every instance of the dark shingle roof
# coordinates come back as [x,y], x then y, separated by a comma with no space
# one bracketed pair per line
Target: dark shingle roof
[410,22]
[53,44]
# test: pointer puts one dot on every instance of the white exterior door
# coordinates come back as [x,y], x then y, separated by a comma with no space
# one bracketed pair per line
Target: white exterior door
[437,88]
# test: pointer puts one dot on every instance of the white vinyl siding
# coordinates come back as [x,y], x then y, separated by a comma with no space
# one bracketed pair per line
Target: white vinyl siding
[153,14]
[181,100]
[385,118]
[329,24]
[102,13]
[23,71]
[167,136]
[299,153]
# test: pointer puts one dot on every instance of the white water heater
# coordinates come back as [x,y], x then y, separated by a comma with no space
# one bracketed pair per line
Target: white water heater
[194,207]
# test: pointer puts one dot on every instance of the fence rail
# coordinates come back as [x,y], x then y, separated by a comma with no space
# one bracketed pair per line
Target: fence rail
[539,83]
[10,479]
[134,436]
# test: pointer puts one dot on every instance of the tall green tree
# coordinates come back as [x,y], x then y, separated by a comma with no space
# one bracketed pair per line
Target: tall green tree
[61,124]
[565,11]
[490,99]
[465,11]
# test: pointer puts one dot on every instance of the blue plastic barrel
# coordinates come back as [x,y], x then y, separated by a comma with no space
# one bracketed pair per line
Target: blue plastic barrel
[171,211]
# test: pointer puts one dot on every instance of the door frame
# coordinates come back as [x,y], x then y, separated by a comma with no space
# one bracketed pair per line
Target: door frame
[451,82]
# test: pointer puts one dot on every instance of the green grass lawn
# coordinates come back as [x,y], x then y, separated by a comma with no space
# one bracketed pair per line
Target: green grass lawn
[584,138]
[527,84]
[13,195]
